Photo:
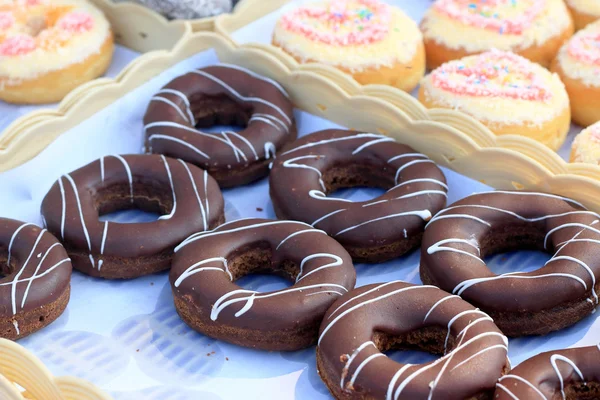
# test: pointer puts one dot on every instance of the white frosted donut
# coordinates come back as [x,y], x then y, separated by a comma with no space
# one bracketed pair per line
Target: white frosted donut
[584,12]
[49,47]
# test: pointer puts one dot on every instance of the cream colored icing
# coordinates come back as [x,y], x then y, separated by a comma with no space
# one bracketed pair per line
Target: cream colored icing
[586,146]
[585,69]
[491,103]
[456,35]
[399,45]
[78,46]
[591,7]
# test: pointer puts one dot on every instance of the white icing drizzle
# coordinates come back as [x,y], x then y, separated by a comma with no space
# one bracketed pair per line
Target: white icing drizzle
[206,193]
[394,379]
[406,155]
[270,120]
[352,357]
[193,269]
[102,169]
[371,143]
[553,196]
[179,141]
[423,214]
[333,140]
[362,365]
[338,261]
[324,217]
[169,102]
[84,227]
[461,287]
[421,193]
[128,171]
[12,239]
[525,381]
[557,357]
[13,289]
[236,150]
[291,164]
[102,243]
[270,150]
[243,139]
[63,208]
[437,247]
[186,101]
[174,208]
[496,346]
[567,226]
[474,218]
[223,303]
[420,180]
[32,278]
[511,394]
[318,195]
[202,211]
[257,76]
[376,288]
[453,320]
[239,96]
[452,296]
[37,268]
[584,266]
[16,325]
[298,233]
[325,291]
[408,164]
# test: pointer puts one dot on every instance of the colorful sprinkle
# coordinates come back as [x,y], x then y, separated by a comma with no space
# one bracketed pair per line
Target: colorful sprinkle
[17,45]
[585,46]
[7,19]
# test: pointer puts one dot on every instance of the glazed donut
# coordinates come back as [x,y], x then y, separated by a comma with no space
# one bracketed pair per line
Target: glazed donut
[49,47]
[566,374]
[507,93]
[577,65]
[534,29]
[207,264]
[374,42]
[372,319]
[586,146]
[34,278]
[584,12]
[227,95]
[371,231]
[553,297]
[187,198]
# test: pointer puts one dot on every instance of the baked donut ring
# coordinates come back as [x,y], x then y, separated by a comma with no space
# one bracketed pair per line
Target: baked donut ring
[207,264]
[221,95]
[568,374]
[553,297]
[371,231]
[188,199]
[35,276]
[397,315]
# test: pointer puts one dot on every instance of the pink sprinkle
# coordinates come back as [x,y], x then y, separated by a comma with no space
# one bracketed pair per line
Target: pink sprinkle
[29,3]
[76,21]
[322,23]
[585,47]
[495,74]
[487,14]
[17,45]
[595,132]
[7,19]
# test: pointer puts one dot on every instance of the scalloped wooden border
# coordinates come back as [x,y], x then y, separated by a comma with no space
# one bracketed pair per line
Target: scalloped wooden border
[482,136]
[20,366]
[450,138]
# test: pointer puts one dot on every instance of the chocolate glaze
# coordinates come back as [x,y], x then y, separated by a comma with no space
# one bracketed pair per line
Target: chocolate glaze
[561,374]
[457,239]
[228,95]
[188,198]
[372,318]
[320,163]
[206,265]
[35,269]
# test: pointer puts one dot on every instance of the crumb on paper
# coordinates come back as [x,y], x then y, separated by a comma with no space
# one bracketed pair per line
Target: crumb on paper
[259,209]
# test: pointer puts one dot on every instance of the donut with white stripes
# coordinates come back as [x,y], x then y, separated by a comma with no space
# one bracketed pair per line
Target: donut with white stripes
[371,231]
[560,374]
[222,94]
[556,295]
[365,323]
[186,197]
[35,277]
[207,264]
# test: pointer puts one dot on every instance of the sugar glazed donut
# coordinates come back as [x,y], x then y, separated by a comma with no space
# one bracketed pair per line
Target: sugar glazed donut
[505,92]
[374,42]
[578,65]
[371,231]
[49,47]
[207,264]
[567,374]
[35,278]
[372,319]
[221,95]
[584,12]
[535,29]
[187,198]
[557,295]
[586,146]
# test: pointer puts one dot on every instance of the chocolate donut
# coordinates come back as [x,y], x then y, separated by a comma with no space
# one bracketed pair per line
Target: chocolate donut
[188,199]
[371,231]
[553,297]
[221,95]
[206,265]
[372,319]
[35,276]
[569,374]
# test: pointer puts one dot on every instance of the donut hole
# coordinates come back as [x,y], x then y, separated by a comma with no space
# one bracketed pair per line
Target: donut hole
[422,345]
[149,200]
[501,243]
[341,181]
[219,113]
[252,267]
[582,390]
